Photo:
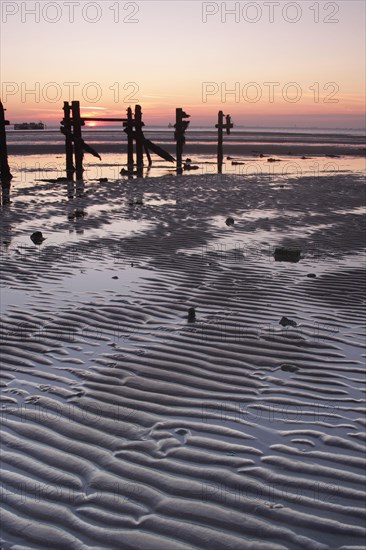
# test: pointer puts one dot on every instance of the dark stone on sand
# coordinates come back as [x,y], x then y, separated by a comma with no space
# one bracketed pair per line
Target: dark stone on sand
[229,221]
[286,322]
[311,275]
[191,315]
[289,368]
[283,254]
[114,277]
[37,237]
[273,160]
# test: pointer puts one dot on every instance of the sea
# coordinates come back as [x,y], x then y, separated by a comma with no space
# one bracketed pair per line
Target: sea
[274,152]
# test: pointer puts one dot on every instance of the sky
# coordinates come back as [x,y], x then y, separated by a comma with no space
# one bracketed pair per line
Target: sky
[274,63]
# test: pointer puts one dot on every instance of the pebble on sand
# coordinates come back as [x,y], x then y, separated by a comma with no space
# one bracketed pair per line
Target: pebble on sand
[191,314]
[37,237]
[286,322]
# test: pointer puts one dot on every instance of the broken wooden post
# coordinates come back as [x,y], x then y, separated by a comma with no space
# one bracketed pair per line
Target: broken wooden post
[139,140]
[78,147]
[220,128]
[67,131]
[180,126]
[147,153]
[5,174]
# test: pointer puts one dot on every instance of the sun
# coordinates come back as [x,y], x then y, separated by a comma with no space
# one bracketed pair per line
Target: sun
[91,124]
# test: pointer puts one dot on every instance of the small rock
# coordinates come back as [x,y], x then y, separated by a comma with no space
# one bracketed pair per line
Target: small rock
[37,237]
[191,315]
[286,322]
[114,277]
[229,221]
[273,160]
[311,275]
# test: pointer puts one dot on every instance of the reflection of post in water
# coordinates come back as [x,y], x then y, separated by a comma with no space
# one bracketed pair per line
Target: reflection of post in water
[75,189]
[5,175]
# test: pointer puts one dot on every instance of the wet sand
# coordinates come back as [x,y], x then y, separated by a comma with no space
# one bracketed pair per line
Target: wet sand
[125,425]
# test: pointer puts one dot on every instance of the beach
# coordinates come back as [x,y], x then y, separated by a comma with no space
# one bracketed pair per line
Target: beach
[126,425]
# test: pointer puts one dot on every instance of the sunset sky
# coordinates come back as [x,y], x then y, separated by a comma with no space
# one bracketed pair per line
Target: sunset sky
[169,56]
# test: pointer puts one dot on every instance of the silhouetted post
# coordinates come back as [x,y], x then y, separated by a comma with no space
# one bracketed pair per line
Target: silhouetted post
[220,128]
[220,152]
[78,149]
[180,126]
[67,131]
[139,140]
[5,174]
[129,140]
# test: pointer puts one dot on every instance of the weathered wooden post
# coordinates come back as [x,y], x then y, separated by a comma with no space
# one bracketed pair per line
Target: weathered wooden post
[180,126]
[220,128]
[129,132]
[220,152]
[5,174]
[139,140]
[67,131]
[78,147]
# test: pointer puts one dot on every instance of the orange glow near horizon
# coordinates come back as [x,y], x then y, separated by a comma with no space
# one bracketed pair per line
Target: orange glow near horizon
[306,72]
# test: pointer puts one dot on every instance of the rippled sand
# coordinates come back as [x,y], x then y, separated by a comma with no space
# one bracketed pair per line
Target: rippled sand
[124,425]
